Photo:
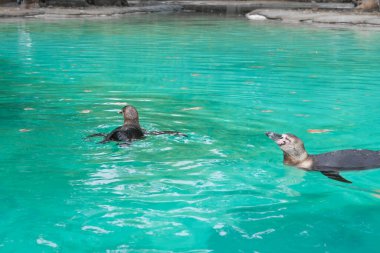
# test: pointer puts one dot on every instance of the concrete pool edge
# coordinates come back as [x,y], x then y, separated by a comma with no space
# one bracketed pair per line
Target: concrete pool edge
[60,12]
[285,12]
[321,17]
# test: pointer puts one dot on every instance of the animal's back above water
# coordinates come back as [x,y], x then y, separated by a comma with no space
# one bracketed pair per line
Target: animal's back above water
[124,133]
[347,160]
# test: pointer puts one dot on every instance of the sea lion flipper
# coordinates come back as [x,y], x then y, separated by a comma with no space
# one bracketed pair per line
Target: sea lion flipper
[105,140]
[335,175]
[167,132]
[124,144]
[96,135]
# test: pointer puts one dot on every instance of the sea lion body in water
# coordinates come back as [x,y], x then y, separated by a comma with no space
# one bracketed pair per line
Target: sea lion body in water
[131,129]
[329,164]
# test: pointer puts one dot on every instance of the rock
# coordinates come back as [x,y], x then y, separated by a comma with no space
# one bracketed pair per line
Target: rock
[321,17]
[108,2]
[256,17]
[83,3]
[66,3]
[369,5]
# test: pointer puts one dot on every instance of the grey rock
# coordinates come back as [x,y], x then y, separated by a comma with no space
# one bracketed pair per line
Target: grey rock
[320,17]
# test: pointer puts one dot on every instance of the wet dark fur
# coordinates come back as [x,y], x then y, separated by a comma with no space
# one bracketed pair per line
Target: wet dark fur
[124,134]
[331,163]
[131,129]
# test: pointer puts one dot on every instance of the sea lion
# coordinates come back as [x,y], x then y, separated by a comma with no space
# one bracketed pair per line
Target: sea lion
[131,129]
[329,164]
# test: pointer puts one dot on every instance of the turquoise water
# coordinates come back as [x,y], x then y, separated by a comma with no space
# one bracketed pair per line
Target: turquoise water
[222,81]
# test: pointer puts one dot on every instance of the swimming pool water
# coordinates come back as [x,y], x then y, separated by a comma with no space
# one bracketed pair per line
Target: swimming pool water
[222,81]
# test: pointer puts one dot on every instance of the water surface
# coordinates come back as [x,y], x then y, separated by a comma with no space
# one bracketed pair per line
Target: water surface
[224,82]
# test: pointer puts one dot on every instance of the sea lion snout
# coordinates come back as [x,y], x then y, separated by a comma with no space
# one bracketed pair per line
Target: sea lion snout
[279,139]
[273,136]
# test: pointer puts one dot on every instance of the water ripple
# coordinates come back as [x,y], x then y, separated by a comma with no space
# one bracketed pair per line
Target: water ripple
[223,82]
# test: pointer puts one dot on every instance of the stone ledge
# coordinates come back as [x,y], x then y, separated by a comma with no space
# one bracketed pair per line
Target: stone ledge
[320,17]
[341,14]
[242,7]
[85,12]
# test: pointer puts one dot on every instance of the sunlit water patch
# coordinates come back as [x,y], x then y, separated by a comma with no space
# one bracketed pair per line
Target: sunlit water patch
[223,188]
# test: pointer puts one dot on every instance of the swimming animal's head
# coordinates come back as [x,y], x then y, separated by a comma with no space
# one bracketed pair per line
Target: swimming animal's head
[130,114]
[291,145]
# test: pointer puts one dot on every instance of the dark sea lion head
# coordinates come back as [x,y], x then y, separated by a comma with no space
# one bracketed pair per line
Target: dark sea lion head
[130,114]
[291,145]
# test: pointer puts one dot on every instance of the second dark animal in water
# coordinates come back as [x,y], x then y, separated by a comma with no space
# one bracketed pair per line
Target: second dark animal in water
[329,164]
[131,129]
